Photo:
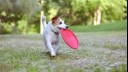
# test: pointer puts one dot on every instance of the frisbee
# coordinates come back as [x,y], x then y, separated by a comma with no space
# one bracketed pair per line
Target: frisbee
[69,38]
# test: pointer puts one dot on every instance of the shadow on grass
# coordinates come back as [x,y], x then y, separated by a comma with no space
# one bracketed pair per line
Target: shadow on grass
[59,56]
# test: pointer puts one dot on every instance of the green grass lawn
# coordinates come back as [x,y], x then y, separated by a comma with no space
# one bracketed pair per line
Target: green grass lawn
[112,26]
[102,48]
[98,52]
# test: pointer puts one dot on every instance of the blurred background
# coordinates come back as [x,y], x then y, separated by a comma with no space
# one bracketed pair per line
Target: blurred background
[23,16]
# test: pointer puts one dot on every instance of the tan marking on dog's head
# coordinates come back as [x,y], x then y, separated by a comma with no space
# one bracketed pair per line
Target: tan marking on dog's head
[55,20]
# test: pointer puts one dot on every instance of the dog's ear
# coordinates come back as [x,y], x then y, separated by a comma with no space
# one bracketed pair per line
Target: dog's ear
[61,16]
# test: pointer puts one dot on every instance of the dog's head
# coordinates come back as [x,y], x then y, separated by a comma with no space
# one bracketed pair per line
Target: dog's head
[58,22]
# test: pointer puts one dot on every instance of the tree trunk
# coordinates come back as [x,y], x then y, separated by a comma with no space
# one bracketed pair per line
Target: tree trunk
[14,28]
[1,28]
[97,16]
[41,14]
[27,28]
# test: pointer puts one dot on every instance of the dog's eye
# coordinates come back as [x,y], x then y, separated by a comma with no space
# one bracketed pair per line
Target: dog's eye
[60,23]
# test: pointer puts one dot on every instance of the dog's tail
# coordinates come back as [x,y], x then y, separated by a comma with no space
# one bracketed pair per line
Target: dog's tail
[44,21]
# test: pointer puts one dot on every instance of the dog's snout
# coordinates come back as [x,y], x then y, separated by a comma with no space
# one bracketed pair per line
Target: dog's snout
[66,26]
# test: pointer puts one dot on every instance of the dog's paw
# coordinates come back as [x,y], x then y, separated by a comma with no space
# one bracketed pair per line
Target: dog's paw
[53,54]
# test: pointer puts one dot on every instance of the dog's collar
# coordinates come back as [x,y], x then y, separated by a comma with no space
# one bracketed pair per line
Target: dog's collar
[54,31]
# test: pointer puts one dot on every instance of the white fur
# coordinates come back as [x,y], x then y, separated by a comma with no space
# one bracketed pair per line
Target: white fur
[51,35]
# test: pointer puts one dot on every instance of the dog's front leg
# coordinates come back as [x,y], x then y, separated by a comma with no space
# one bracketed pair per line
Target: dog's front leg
[57,46]
[52,52]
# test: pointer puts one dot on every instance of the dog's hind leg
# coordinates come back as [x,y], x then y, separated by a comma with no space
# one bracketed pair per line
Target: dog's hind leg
[45,43]
[57,47]
[47,50]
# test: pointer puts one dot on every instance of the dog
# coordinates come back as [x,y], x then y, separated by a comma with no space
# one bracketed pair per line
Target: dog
[51,33]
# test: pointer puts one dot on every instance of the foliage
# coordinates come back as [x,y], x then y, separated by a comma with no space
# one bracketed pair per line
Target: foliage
[17,8]
[76,12]
[12,11]
[82,11]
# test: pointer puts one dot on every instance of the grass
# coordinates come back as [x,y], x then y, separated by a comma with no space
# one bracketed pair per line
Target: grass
[102,48]
[98,52]
[114,26]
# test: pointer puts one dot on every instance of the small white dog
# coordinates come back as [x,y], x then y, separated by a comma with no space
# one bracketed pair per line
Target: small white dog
[51,34]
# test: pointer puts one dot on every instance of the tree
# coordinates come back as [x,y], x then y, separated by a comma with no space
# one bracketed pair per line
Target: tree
[83,11]
[11,11]
[97,16]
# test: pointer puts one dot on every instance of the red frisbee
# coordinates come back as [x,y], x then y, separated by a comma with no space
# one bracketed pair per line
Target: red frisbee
[69,38]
